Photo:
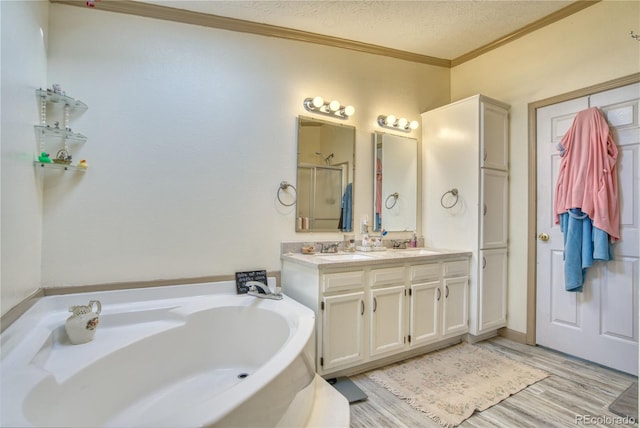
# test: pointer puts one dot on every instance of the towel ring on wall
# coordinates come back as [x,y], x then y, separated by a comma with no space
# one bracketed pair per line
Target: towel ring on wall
[453,192]
[284,186]
[395,197]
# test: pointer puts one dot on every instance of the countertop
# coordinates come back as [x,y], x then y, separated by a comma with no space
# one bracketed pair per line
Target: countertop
[359,258]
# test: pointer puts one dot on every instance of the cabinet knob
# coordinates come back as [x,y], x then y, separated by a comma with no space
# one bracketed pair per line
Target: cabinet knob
[375,304]
[439,293]
[544,237]
[362,307]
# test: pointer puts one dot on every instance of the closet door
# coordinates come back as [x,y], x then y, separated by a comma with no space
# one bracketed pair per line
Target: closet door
[601,323]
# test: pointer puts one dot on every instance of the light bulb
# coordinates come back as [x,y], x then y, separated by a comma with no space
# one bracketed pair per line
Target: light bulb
[414,124]
[334,105]
[318,102]
[402,123]
[390,120]
[349,110]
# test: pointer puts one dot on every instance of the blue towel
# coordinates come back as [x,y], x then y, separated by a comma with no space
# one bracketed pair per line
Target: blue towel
[347,208]
[583,244]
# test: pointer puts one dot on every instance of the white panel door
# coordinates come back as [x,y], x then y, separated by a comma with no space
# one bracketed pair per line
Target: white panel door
[601,323]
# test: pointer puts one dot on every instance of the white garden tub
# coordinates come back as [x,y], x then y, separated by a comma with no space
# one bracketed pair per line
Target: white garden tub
[187,355]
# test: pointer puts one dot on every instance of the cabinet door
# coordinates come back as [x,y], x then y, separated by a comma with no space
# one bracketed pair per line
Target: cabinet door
[342,330]
[455,306]
[493,207]
[387,320]
[424,314]
[492,289]
[494,136]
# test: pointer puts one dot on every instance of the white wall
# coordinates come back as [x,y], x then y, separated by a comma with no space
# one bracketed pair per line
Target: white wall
[190,131]
[24,68]
[587,48]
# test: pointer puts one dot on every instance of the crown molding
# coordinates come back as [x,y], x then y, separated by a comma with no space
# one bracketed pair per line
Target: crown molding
[223,23]
[155,11]
[527,29]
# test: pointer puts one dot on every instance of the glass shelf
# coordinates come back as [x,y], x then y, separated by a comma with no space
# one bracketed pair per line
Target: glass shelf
[48,131]
[59,166]
[54,98]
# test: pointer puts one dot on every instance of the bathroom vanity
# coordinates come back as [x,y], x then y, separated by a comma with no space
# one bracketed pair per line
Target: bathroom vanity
[374,308]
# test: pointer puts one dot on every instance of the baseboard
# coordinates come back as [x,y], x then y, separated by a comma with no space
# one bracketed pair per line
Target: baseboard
[516,336]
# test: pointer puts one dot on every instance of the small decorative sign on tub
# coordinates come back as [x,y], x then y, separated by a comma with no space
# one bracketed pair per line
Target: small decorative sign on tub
[243,277]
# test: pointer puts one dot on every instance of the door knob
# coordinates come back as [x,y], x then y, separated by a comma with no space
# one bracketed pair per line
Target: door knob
[543,237]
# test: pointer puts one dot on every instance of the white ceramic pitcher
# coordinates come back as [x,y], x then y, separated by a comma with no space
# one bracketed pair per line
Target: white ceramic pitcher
[81,326]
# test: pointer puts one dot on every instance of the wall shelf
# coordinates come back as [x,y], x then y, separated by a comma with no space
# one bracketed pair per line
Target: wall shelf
[59,166]
[48,131]
[60,134]
[53,98]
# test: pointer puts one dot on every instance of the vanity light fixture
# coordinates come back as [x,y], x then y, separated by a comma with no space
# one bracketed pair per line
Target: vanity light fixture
[396,124]
[331,108]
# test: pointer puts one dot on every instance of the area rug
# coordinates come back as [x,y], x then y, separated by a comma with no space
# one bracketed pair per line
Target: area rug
[451,384]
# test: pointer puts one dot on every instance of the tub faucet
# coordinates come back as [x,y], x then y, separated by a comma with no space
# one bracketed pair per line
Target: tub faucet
[255,287]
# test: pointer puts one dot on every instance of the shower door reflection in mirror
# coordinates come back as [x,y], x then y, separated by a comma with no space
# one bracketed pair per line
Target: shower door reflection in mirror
[395,185]
[325,176]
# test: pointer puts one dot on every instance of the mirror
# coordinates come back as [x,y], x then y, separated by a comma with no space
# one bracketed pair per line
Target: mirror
[395,182]
[325,176]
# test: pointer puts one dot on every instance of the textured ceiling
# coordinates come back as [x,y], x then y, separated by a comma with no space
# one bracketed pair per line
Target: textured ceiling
[441,29]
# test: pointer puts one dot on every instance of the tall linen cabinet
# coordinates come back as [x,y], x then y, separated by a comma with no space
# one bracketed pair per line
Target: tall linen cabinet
[465,197]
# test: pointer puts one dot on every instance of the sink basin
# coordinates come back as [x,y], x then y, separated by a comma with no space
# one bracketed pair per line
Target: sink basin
[420,252]
[341,257]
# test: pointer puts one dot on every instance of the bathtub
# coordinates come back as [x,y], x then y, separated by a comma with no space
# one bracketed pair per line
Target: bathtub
[175,356]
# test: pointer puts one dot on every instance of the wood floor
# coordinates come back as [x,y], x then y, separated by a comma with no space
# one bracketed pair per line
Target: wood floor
[577,393]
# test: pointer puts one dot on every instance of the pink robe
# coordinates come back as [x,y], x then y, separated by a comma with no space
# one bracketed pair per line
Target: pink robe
[588,175]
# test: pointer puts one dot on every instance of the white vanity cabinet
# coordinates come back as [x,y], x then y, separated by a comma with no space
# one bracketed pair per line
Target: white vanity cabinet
[387,314]
[439,301]
[342,330]
[465,147]
[388,308]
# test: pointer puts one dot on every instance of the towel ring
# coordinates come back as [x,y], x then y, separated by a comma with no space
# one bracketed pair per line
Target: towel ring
[454,192]
[283,186]
[395,197]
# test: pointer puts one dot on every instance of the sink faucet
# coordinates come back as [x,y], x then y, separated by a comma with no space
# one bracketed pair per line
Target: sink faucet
[400,244]
[255,287]
[329,248]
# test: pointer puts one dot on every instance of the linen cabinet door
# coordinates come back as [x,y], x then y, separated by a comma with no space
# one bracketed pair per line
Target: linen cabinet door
[494,208]
[493,289]
[387,320]
[342,330]
[494,136]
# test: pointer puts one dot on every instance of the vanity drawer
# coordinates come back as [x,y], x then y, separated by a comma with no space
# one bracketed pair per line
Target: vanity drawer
[341,281]
[457,268]
[385,276]
[428,272]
